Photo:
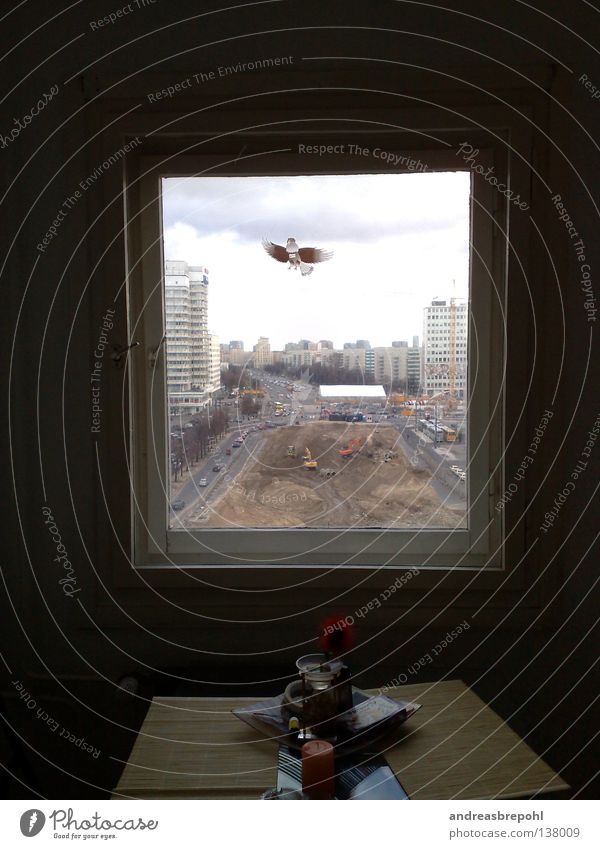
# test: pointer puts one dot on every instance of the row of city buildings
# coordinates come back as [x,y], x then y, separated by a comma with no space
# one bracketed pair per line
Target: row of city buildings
[438,365]
[195,357]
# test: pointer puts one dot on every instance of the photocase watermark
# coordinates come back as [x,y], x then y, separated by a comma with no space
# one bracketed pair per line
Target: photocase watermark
[23,122]
[469,155]
[69,580]
[427,657]
[387,156]
[526,462]
[580,468]
[96,375]
[53,724]
[375,603]
[32,822]
[592,89]
[274,496]
[115,16]
[72,200]
[96,822]
[589,303]
[221,71]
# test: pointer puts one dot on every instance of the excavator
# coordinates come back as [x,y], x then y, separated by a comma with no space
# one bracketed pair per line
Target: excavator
[349,449]
[309,463]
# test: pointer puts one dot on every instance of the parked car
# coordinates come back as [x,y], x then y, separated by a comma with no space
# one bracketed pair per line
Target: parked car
[217,467]
[203,482]
[178,505]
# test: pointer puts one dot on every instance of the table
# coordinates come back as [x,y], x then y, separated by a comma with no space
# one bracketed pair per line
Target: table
[455,747]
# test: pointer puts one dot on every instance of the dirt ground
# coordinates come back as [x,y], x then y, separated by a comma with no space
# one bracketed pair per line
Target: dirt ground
[274,490]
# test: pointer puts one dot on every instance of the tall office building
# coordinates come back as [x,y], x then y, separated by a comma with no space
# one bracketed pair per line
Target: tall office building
[191,353]
[414,367]
[445,347]
[262,353]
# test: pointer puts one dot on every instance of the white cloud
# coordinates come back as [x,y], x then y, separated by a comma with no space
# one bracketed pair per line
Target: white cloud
[398,241]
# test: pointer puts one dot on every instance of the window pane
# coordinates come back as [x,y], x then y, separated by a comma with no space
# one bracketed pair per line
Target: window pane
[317,389]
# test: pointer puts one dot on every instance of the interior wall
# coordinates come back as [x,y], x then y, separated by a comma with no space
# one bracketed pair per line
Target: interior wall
[534,639]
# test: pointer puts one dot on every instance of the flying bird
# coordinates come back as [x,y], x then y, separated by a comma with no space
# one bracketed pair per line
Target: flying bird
[302,258]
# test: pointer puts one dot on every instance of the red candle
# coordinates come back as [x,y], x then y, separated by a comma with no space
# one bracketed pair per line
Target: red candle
[318,770]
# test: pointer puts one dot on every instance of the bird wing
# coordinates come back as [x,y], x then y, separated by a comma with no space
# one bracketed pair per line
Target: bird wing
[314,255]
[278,252]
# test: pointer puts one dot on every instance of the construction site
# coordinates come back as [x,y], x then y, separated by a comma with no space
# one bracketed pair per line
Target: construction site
[328,474]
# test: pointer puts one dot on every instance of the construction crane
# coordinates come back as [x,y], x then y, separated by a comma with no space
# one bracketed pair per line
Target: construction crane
[349,449]
[308,463]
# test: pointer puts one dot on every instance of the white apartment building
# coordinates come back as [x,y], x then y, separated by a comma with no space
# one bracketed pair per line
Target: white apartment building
[298,358]
[439,320]
[193,363]
[262,353]
[384,364]
[214,361]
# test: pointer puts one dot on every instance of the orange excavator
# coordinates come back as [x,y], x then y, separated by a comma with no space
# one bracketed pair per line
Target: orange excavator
[349,449]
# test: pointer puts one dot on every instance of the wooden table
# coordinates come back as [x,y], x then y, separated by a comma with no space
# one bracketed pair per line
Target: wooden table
[455,747]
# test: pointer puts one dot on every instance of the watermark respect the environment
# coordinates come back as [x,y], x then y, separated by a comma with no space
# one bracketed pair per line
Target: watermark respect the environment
[221,71]
[72,200]
[117,14]
[592,89]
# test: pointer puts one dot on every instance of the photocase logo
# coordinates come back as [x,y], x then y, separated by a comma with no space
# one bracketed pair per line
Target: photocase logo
[32,822]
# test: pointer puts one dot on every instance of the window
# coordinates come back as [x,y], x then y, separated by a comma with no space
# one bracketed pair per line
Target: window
[214,531]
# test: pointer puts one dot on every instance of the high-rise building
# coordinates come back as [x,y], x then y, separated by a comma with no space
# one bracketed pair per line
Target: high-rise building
[414,365]
[214,362]
[363,343]
[262,353]
[399,344]
[236,345]
[445,347]
[191,355]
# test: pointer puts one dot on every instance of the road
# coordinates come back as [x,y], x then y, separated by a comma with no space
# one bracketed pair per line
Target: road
[275,389]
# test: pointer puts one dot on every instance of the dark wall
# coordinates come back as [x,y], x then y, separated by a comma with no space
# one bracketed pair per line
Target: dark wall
[532,646]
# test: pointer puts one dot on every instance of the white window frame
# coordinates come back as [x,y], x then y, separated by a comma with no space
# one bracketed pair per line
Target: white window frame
[480,546]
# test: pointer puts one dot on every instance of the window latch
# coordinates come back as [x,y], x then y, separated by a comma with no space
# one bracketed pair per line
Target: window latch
[119,352]
[154,352]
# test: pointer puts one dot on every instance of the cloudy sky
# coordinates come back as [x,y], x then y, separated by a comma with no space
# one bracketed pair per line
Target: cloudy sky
[399,240]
